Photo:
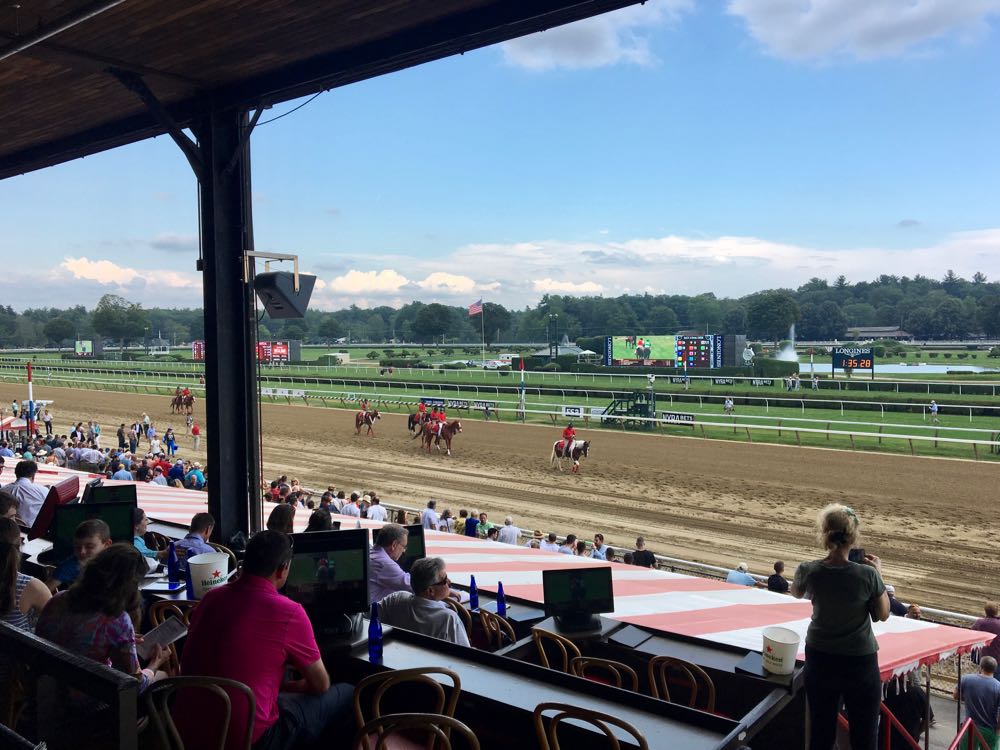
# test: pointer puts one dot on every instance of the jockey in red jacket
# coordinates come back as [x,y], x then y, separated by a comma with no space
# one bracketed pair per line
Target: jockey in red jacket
[422,411]
[569,437]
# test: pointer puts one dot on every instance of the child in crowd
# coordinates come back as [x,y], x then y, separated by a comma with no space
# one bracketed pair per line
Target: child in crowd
[89,539]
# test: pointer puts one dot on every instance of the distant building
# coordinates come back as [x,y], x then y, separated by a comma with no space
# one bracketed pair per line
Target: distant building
[871,333]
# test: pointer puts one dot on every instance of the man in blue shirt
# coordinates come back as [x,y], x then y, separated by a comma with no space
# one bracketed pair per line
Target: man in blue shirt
[741,576]
[195,479]
[122,474]
[196,542]
[981,693]
[176,472]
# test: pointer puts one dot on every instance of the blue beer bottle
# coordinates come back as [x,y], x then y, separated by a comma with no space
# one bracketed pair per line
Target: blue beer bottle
[501,600]
[374,636]
[173,565]
[473,594]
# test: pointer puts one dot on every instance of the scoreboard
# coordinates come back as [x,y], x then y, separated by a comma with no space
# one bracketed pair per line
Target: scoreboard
[278,351]
[694,351]
[853,358]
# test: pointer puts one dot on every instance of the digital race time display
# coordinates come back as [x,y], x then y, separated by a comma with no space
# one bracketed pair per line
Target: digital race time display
[853,358]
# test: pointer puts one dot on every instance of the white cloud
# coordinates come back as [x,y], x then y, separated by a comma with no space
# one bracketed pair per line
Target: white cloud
[368,282]
[608,39]
[551,286]
[110,274]
[863,29]
[448,283]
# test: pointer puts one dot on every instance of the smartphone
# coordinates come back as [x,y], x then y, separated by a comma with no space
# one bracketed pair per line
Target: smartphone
[856,555]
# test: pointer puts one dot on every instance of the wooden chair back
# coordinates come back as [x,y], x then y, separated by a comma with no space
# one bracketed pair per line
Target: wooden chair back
[665,669]
[499,632]
[159,611]
[382,682]
[548,737]
[463,614]
[605,670]
[564,646]
[157,698]
[233,563]
[437,727]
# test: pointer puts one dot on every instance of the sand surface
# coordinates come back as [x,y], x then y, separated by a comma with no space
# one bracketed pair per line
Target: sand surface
[714,501]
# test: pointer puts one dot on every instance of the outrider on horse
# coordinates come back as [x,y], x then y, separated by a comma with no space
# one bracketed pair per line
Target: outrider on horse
[435,432]
[368,418]
[561,450]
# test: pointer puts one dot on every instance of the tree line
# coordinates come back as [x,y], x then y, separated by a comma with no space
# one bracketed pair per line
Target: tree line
[949,308]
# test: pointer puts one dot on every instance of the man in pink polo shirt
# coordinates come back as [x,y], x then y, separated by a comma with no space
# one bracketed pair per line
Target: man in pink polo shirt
[247,631]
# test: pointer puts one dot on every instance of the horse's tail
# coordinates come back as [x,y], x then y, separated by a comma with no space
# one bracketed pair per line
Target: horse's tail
[552,458]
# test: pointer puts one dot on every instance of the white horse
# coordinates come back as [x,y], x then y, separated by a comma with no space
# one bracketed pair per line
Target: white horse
[559,452]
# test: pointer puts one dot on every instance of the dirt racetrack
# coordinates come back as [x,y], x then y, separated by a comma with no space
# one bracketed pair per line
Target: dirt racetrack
[714,501]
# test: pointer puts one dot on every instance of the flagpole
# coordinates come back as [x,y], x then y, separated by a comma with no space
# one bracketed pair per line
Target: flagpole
[482,323]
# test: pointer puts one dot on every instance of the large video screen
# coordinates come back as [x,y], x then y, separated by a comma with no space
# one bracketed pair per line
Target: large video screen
[84,349]
[660,351]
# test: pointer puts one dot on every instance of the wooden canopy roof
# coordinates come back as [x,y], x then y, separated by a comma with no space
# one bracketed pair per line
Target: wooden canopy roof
[62,62]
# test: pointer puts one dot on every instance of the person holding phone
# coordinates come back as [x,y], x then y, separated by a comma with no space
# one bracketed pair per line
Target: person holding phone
[841,650]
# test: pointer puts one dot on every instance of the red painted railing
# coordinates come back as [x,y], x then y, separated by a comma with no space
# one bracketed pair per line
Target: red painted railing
[970,732]
[889,721]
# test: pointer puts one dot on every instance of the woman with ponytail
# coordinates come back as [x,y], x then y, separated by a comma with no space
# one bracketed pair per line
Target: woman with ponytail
[841,650]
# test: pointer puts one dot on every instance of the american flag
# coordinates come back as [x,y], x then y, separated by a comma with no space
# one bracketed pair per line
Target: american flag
[475,308]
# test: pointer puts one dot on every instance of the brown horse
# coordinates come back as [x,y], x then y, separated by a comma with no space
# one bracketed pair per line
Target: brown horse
[560,451]
[446,432]
[181,404]
[363,418]
[414,423]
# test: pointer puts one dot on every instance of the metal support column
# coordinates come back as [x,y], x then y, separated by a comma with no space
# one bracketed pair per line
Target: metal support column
[230,387]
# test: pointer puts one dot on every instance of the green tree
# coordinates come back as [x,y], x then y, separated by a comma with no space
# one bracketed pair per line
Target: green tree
[735,320]
[989,316]
[59,330]
[771,314]
[663,320]
[496,318]
[117,318]
[920,323]
[704,312]
[295,330]
[329,329]
[432,320]
[375,329]
[949,320]
[833,321]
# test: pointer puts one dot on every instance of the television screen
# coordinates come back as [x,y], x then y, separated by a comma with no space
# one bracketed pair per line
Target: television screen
[118,517]
[329,573]
[660,351]
[415,548]
[574,592]
[103,493]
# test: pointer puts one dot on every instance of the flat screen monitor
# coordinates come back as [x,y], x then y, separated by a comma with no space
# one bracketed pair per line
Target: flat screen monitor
[118,517]
[329,575]
[575,595]
[415,548]
[105,493]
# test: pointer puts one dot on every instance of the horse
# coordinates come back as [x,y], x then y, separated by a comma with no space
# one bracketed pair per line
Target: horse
[363,418]
[188,403]
[446,432]
[414,422]
[176,403]
[559,452]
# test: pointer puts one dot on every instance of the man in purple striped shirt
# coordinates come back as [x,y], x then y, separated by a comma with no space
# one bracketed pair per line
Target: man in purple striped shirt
[384,574]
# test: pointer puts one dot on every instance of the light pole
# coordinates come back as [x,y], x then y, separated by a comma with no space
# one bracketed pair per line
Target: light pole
[553,335]
[145,339]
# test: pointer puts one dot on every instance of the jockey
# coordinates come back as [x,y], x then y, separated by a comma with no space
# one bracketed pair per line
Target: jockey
[177,391]
[569,437]
[422,411]
[364,405]
[186,392]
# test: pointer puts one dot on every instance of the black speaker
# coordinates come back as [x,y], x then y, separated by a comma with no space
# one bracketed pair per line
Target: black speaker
[277,293]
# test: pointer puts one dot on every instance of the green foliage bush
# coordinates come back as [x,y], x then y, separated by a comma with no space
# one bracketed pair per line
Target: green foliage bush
[372,355]
[932,355]
[550,367]
[963,355]
[947,355]
[453,366]
[994,352]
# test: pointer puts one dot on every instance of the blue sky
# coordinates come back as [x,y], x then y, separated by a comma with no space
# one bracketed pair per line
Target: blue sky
[675,147]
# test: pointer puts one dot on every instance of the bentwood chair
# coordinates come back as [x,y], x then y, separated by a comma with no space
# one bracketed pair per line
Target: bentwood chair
[694,681]
[548,737]
[214,725]
[159,611]
[604,670]
[499,632]
[463,614]
[371,691]
[225,551]
[385,732]
[564,647]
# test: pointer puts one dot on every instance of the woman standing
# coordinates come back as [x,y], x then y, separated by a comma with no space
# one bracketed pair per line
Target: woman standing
[171,441]
[841,650]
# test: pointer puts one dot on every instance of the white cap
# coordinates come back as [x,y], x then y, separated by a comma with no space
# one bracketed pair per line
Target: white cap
[743,567]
